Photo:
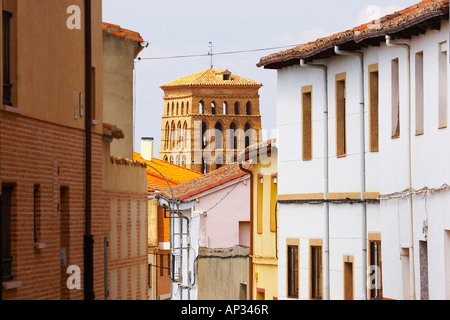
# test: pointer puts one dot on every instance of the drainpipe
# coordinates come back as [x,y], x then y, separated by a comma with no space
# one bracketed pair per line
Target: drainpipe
[250,172]
[326,245]
[360,55]
[411,248]
[88,247]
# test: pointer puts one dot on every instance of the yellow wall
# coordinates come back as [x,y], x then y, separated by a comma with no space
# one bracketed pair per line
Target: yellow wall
[265,261]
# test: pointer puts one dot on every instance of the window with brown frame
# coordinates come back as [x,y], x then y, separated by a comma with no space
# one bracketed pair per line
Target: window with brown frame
[292,271]
[273,205]
[341,121]
[36,212]
[395,96]
[373,107]
[7,85]
[316,272]
[6,210]
[443,87]
[307,123]
[419,94]
[260,197]
[376,288]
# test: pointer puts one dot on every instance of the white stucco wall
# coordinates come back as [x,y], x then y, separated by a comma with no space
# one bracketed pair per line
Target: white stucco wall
[386,171]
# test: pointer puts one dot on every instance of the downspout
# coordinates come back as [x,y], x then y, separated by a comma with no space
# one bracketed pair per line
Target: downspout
[88,247]
[411,248]
[360,55]
[250,280]
[326,245]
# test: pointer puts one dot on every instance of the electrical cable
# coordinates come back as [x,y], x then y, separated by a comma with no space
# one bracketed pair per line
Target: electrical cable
[215,54]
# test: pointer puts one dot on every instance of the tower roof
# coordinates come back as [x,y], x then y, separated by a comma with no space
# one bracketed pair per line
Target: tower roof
[212,77]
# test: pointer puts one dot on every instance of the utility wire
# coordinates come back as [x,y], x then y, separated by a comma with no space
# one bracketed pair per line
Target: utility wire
[215,54]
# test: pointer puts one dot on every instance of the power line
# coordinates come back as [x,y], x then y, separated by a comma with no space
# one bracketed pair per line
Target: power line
[216,54]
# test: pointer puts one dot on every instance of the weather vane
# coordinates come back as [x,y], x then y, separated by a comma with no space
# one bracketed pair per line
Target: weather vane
[210,53]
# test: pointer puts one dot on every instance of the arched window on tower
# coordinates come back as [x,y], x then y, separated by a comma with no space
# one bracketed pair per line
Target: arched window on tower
[166,136]
[204,166]
[168,109]
[248,135]
[187,108]
[213,108]
[185,135]
[219,162]
[218,134]
[201,107]
[173,109]
[179,136]
[166,159]
[183,162]
[225,107]
[172,135]
[249,108]
[182,108]
[177,113]
[178,160]
[203,136]
[236,108]
[233,136]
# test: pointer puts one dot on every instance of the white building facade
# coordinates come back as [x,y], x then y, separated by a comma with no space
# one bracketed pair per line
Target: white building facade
[363,161]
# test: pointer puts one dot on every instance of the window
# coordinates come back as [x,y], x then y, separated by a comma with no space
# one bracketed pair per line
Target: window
[173,135]
[167,136]
[348,278]
[36,213]
[292,269]
[248,134]
[341,122]
[182,108]
[316,272]
[168,109]
[7,85]
[185,135]
[419,94]
[373,107]
[6,210]
[395,94]
[447,262]
[236,108]
[213,108]
[233,136]
[376,290]
[249,108]
[218,135]
[307,122]
[204,166]
[273,205]
[203,137]
[443,88]
[219,162]
[423,258]
[225,108]
[201,107]
[260,199]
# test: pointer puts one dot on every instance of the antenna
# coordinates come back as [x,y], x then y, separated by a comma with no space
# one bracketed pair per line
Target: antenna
[210,53]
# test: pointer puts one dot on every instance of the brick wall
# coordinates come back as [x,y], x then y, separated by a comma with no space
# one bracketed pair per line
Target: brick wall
[33,153]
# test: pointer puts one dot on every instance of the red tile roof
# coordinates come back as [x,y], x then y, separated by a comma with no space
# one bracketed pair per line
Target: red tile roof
[174,174]
[212,77]
[207,181]
[398,23]
[121,32]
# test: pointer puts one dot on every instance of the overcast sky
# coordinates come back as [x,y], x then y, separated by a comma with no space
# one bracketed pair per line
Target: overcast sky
[180,27]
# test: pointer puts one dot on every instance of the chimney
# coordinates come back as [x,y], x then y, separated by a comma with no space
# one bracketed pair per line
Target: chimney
[147,149]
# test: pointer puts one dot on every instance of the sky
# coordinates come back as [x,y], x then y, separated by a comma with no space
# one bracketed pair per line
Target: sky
[180,28]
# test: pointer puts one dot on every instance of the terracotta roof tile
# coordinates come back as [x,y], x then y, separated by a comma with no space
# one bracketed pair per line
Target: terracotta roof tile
[121,32]
[207,181]
[174,174]
[388,24]
[212,77]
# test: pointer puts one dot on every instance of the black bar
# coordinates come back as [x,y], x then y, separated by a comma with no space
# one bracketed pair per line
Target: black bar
[88,238]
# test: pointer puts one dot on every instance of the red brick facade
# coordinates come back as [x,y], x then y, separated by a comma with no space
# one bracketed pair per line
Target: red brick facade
[33,153]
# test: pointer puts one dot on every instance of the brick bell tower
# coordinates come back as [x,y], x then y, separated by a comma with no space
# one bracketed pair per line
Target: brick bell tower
[209,117]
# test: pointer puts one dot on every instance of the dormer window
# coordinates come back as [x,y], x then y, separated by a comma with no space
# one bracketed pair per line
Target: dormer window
[226,77]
